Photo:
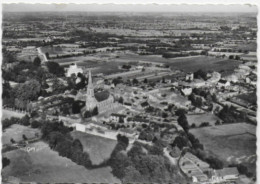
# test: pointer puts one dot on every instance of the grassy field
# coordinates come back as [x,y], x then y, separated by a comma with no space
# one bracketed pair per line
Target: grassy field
[16,132]
[46,166]
[187,64]
[98,148]
[205,63]
[6,114]
[197,119]
[232,143]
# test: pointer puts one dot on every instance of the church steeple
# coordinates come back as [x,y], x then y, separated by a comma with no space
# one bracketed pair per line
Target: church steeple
[90,90]
[91,102]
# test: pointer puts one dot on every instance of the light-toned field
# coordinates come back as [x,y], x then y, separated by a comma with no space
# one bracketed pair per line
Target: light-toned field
[98,148]
[197,119]
[232,143]
[46,166]
[16,132]
[6,114]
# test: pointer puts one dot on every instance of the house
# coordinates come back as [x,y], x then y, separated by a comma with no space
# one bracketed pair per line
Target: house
[73,69]
[186,91]
[138,120]
[189,77]
[225,174]
[223,83]
[128,133]
[118,118]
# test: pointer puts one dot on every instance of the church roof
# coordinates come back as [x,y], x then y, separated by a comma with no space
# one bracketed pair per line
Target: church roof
[101,96]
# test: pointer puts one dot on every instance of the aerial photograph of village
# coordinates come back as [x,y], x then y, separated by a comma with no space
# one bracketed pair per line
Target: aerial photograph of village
[93,96]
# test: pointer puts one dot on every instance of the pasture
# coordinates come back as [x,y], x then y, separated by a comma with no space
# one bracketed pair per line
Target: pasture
[16,132]
[45,166]
[232,143]
[197,119]
[187,64]
[98,148]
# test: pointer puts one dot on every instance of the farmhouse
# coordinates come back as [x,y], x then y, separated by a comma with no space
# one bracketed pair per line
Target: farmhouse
[73,69]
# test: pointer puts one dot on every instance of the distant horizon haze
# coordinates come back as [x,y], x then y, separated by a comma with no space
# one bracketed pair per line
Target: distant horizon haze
[149,8]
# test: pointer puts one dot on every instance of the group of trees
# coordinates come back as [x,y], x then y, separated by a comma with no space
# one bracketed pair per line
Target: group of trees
[196,101]
[59,139]
[89,114]
[142,163]
[183,122]
[200,74]
[55,68]
[21,121]
[229,114]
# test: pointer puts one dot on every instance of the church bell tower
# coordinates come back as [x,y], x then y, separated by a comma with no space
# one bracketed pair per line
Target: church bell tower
[91,101]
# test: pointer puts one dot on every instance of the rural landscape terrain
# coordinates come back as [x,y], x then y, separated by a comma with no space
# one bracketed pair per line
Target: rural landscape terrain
[122,97]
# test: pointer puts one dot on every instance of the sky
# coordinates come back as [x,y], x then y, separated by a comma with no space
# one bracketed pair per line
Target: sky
[127,8]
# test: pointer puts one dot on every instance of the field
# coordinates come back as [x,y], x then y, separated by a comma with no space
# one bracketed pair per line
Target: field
[197,119]
[46,166]
[101,66]
[6,114]
[98,148]
[232,143]
[16,132]
[187,64]
[248,97]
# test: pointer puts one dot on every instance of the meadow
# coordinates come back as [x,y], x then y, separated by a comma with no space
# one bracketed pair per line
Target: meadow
[98,148]
[197,119]
[16,132]
[187,64]
[232,143]
[46,166]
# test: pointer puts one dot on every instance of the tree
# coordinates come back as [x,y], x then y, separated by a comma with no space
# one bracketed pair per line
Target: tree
[123,139]
[25,120]
[37,61]
[200,74]
[95,111]
[180,112]
[145,80]
[47,55]
[5,162]
[55,68]
[182,121]
[180,141]
[28,91]
[24,137]
[77,146]
[12,140]
[121,100]
[58,86]
[135,81]
[35,124]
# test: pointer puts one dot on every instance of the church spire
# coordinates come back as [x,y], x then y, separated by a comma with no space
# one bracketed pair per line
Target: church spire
[90,89]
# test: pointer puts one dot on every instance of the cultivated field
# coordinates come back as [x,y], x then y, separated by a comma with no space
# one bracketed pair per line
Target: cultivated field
[46,166]
[232,143]
[16,132]
[98,148]
[187,64]
[197,119]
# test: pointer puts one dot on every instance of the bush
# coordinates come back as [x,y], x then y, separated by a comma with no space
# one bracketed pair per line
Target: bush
[25,121]
[36,124]
[5,162]
[204,124]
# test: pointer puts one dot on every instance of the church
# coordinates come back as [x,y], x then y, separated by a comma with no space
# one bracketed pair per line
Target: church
[102,100]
